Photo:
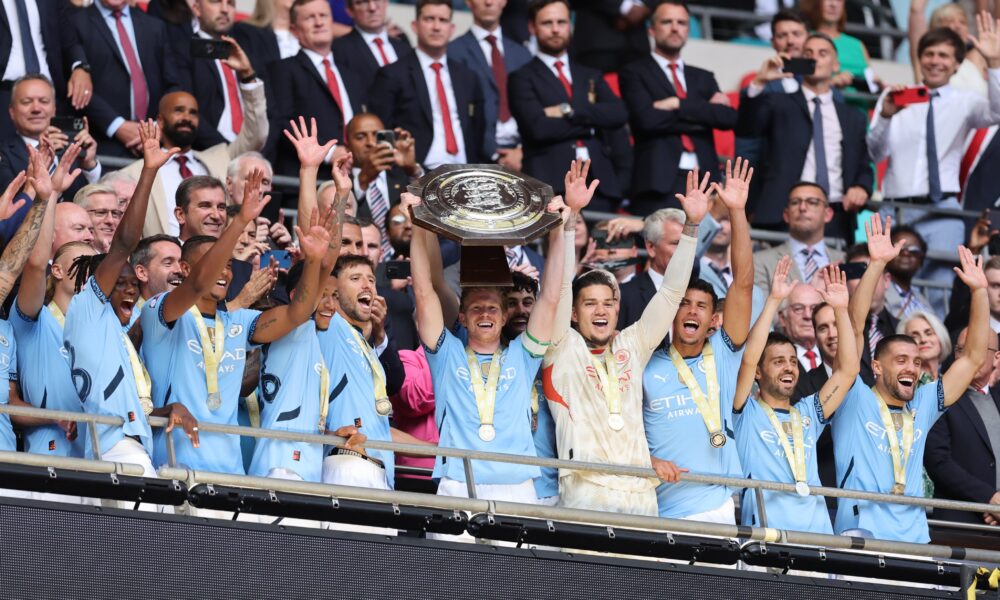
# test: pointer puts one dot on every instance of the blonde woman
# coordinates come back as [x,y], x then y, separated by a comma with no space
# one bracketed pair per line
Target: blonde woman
[933,342]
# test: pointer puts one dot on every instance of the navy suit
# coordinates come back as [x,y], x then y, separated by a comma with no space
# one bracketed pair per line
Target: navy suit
[352,52]
[602,40]
[656,176]
[466,50]
[400,98]
[982,189]
[550,143]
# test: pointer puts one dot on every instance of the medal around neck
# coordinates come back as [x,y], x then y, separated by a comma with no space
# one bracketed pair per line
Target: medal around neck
[487,433]
[802,488]
[717,439]
[483,208]
[383,407]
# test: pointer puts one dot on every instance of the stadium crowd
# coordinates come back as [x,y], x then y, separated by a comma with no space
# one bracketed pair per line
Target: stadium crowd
[174,287]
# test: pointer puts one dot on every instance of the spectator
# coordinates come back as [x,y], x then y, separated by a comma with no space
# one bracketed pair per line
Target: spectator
[157,264]
[514,20]
[661,232]
[122,183]
[72,224]
[879,322]
[101,204]
[611,33]
[796,323]
[273,20]
[673,109]
[272,234]
[369,46]
[413,406]
[326,192]
[179,123]
[492,56]
[902,297]
[609,254]
[434,97]
[971,73]
[810,137]
[201,207]
[400,231]
[560,105]
[933,343]
[924,168]
[992,269]
[371,237]
[829,17]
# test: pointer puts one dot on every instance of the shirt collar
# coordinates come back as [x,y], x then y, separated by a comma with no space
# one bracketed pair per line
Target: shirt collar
[798,247]
[189,155]
[107,13]
[369,38]
[481,33]
[550,61]
[665,64]
[317,58]
[29,142]
[826,98]
[944,91]
[426,61]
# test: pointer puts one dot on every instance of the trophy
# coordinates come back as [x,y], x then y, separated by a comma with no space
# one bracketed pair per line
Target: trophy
[483,208]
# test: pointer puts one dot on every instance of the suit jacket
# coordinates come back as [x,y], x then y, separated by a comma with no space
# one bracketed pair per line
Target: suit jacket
[886,324]
[550,143]
[466,50]
[399,97]
[658,145]
[296,88]
[112,83]
[785,121]
[352,51]
[635,295]
[598,40]
[14,159]
[396,181]
[960,460]
[61,42]
[216,159]
[982,189]
[765,261]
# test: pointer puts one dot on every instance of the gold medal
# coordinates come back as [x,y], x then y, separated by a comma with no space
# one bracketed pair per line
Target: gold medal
[898,489]
[212,349]
[717,439]
[795,452]
[898,452]
[708,404]
[382,405]
[485,393]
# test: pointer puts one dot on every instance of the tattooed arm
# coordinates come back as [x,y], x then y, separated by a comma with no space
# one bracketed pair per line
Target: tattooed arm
[15,255]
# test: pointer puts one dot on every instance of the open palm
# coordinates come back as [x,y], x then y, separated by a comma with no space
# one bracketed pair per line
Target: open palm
[253,201]
[306,141]
[880,246]
[695,201]
[578,193]
[835,291]
[153,156]
[8,206]
[781,285]
[737,188]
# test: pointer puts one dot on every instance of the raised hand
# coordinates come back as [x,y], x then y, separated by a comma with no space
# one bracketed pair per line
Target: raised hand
[38,172]
[834,291]
[341,171]
[306,141]
[63,177]
[578,194]
[315,241]
[880,246]
[695,201]
[556,205]
[153,156]
[253,201]
[781,285]
[238,59]
[8,206]
[988,41]
[737,189]
[971,272]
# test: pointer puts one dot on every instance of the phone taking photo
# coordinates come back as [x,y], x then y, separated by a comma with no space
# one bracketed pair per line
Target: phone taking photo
[213,49]
[282,257]
[799,66]
[910,95]
[386,136]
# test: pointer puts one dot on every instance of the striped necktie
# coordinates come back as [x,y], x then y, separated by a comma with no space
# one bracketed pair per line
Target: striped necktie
[380,209]
[811,265]
[874,334]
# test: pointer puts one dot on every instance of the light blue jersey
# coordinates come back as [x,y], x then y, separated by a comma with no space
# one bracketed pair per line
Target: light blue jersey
[864,462]
[8,373]
[100,368]
[176,364]
[46,381]
[458,417]
[676,432]
[352,392]
[547,484]
[763,457]
[289,393]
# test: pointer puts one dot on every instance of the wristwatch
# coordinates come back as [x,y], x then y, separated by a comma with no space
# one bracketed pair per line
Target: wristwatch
[83,65]
[566,110]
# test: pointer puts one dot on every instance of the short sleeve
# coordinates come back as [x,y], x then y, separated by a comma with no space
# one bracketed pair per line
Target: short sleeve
[12,371]
[90,303]
[244,322]
[154,328]
[929,402]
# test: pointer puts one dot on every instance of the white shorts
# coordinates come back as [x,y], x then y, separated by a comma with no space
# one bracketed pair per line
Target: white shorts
[358,472]
[523,492]
[127,450]
[578,492]
[724,514]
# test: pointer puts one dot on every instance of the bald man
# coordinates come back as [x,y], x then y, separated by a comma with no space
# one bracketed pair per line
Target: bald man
[178,121]
[796,321]
[72,224]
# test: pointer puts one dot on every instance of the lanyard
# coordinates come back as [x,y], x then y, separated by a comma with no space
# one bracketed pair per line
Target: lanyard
[607,375]
[900,456]
[212,349]
[534,408]
[324,393]
[708,405]
[382,405]
[142,385]
[486,395]
[57,313]
[795,453]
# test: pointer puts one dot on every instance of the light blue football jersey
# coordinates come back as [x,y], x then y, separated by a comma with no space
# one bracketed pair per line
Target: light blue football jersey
[763,457]
[176,365]
[546,484]
[864,462]
[676,432]
[8,373]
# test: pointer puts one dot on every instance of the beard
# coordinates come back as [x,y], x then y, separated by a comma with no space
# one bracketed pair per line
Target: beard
[182,138]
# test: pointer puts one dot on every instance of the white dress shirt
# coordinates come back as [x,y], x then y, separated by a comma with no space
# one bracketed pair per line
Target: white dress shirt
[15,61]
[656,278]
[91,176]
[170,177]
[507,135]
[903,138]
[832,137]
[288,44]
[822,258]
[109,20]
[550,62]
[800,352]
[689,160]
[390,52]
[438,155]
[725,273]
[345,100]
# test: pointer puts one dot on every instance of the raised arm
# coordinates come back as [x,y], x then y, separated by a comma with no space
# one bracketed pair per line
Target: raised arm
[425,251]
[578,196]
[781,287]
[846,363]
[130,228]
[958,377]
[206,271]
[736,314]
[880,252]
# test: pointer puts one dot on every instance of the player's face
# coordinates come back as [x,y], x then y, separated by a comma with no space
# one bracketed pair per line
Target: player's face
[825,56]
[595,313]
[694,317]
[778,371]
[371,237]
[356,292]
[205,214]
[218,291]
[483,315]
[788,38]
[826,333]
[125,294]
[670,25]
[938,64]
[164,271]
[352,241]
[898,369]
[551,27]
[928,344]
[519,305]
[215,16]
[314,26]
[433,27]
[32,107]
[327,306]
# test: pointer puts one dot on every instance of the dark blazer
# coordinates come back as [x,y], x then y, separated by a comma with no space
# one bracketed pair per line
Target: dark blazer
[550,143]
[786,123]
[635,295]
[887,325]
[658,146]
[14,159]
[466,50]
[352,51]
[396,180]
[982,189]
[399,97]
[960,460]
[296,88]
[61,42]
[514,20]
[599,39]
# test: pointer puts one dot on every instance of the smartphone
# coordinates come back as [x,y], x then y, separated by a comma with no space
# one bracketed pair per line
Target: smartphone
[69,125]
[397,269]
[214,49]
[910,95]
[385,136]
[283,258]
[853,270]
[601,237]
[799,66]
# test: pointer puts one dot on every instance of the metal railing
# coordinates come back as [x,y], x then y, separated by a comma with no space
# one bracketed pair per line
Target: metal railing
[764,534]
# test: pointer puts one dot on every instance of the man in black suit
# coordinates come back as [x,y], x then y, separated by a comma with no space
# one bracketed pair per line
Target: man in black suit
[433,96]
[369,47]
[662,232]
[132,71]
[963,446]
[610,33]
[560,106]
[980,186]
[313,83]
[514,21]
[673,108]
[47,47]
[809,137]
[487,50]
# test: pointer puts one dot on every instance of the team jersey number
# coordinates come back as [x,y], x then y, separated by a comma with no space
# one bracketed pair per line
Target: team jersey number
[81,378]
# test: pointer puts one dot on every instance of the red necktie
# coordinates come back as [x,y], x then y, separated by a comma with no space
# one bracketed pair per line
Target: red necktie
[686,140]
[500,76]
[811,355]
[232,92]
[182,166]
[970,156]
[562,79]
[334,87]
[381,51]
[450,143]
[139,100]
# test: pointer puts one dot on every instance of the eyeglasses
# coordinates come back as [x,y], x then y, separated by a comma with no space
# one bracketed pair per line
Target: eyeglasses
[102,213]
[912,251]
[811,202]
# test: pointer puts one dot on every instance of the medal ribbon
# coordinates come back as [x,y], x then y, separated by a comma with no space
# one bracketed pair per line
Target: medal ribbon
[142,385]
[378,377]
[211,349]
[324,394]
[899,459]
[486,395]
[253,409]
[607,374]
[795,453]
[708,406]
[57,313]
